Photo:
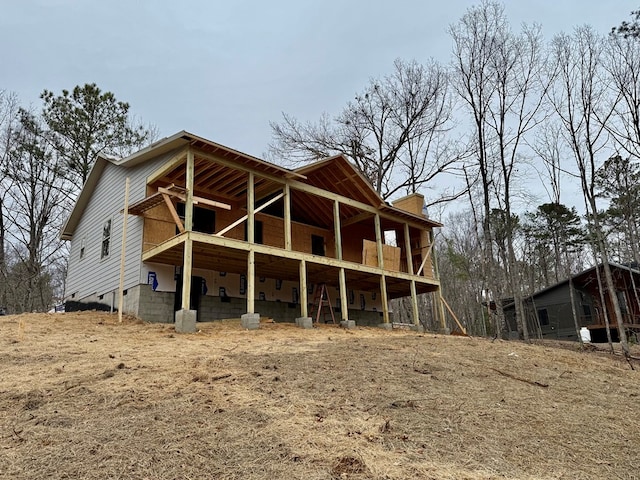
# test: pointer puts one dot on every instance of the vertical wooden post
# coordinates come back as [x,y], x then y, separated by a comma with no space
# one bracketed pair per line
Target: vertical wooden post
[414,304]
[379,241]
[337,229]
[187,262]
[123,251]
[303,289]
[251,282]
[407,247]
[250,209]
[251,268]
[438,294]
[409,255]
[434,259]
[287,218]
[385,300]
[344,304]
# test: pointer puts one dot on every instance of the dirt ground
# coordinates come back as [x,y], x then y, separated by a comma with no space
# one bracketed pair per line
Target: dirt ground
[82,396]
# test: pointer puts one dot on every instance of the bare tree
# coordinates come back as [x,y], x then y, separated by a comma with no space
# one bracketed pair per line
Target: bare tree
[498,75]
[8,118]
[37,203]
[581,100]
[393,131]
[622,64]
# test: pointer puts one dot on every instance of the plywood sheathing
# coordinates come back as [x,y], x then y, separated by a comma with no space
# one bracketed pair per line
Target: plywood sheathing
[391,255]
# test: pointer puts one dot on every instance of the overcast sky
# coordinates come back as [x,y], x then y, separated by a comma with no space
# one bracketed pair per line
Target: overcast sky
[224,70]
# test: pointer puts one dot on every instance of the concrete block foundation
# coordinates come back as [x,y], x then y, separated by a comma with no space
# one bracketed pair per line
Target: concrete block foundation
[186,321]
[386,326]
[348,324]
[304,322]
[250,321]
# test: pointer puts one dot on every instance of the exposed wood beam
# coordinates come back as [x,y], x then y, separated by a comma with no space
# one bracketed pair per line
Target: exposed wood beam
[310,189]
[251,204]
[424,260]
[287,218]
[172,211]
[196,199]
[464,330]
[244,218]
[251,282]
[361,217]
[337,230]
[124,249]
[187,264]
[303,289]
[384,299]
[344,306]
[231,243]
[294,255]
[379,241]
[414,304]
[407,248]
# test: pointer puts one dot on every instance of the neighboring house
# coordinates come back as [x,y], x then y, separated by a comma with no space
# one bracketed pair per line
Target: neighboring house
[549,311]
[243,236]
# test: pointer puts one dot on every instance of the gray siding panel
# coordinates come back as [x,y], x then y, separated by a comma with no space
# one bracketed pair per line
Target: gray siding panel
[91,274]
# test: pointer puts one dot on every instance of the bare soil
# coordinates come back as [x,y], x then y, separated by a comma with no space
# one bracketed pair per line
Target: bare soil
[82,396]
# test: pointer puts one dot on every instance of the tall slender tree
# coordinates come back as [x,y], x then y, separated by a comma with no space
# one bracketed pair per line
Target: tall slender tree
[581,102]
[498,75]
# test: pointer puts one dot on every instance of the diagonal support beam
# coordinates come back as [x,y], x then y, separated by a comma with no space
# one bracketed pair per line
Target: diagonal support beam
[196,199]
[244,218]
[174,214]
[424,260]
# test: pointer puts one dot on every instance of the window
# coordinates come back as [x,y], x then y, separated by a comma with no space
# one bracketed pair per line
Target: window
[317,245]
[543,316]
[106,239]
[83,244]
[204,220]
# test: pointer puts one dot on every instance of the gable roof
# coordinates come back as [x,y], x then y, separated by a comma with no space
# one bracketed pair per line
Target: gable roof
[335,174]
[576,277]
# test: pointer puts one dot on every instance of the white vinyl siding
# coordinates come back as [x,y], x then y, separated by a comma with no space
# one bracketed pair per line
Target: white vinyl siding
[96,275]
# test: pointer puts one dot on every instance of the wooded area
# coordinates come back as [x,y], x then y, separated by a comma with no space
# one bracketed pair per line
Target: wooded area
[510,110]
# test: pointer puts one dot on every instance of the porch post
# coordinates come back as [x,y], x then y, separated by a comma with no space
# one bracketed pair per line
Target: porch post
[304,320]
[414,304]
[383,279]
[287,217]
[337,229]
[409,255]
[438,294]
[344,304]
[379,241]
[407,247]
[303,289]
[251,284]
[251,319]
[250,209]
[385,300]
[185,319]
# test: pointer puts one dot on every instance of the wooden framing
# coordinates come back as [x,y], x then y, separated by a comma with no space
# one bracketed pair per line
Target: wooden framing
[187,264]
[350,222]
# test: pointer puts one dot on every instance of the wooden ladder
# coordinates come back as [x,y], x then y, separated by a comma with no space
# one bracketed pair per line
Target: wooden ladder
[322,300]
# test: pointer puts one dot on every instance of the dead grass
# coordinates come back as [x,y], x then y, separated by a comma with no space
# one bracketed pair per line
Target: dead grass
[84,397]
